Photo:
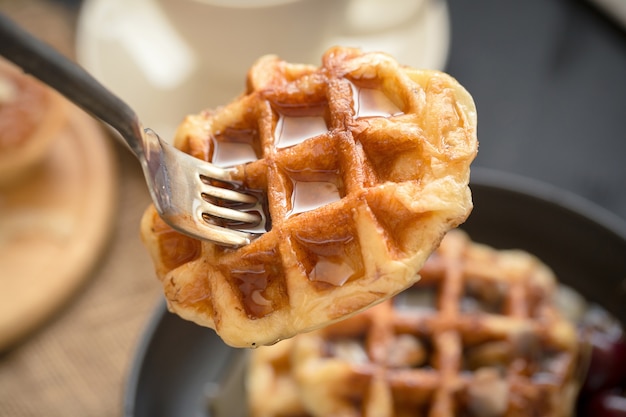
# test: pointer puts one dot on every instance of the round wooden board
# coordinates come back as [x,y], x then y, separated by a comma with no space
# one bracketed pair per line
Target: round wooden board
[54,226]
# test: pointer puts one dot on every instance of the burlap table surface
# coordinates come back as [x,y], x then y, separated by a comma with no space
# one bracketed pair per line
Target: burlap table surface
[77,363]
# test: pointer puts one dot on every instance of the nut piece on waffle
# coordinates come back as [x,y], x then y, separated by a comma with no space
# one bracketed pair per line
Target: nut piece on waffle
[364,164]
[478,335]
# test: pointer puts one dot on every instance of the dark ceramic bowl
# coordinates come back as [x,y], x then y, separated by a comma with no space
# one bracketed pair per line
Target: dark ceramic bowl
[178,361]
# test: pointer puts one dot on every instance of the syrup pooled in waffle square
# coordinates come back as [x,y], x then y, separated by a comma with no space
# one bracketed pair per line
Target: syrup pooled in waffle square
[478,336]
[364,165]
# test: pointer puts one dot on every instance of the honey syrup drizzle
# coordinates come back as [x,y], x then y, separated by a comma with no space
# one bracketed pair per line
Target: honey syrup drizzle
[309,195]
[252,281]
[372,102]
[292,130]
[312,188]
[235,146]
[328,259]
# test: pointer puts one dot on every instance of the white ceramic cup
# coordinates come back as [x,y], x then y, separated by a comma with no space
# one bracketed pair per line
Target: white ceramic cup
[226,36]
[169,58]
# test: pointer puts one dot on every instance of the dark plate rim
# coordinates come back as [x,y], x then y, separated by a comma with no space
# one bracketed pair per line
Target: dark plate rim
[139,356]
[541,190]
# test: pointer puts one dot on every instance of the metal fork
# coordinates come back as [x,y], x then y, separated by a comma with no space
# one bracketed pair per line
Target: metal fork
[193,196]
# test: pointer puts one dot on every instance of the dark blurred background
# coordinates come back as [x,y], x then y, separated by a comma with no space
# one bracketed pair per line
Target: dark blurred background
[548,78]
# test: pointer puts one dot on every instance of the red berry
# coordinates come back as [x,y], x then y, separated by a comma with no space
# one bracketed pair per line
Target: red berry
[609,403]
[607,367]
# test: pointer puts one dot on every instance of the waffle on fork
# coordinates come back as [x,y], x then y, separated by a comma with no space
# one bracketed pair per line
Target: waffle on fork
[364,164]
[478,335]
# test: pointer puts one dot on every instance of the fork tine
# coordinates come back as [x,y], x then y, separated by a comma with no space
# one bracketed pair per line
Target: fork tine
[207,169]
[197,227]
[230,214]
[218,234]
[224,236]
[227,195]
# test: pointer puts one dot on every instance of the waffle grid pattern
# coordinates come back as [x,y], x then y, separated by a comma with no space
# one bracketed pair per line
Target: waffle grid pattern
[355,209]
[477,336]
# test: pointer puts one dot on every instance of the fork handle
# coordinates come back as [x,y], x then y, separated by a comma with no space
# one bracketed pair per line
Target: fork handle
[70,79]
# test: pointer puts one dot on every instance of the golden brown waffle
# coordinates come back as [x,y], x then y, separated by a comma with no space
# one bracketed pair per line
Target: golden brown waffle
[273,390]
[365,165]
[479,335]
